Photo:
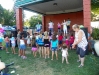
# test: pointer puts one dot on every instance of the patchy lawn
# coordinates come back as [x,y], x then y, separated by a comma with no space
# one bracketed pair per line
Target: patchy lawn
[40,66]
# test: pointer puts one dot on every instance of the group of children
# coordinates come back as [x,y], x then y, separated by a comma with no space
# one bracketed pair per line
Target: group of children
[42,43]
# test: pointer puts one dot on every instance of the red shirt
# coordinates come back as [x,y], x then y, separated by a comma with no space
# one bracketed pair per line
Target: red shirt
[60,38]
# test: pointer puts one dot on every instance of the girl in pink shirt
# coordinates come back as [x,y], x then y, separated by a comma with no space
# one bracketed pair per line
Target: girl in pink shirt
[59,27]
[71,40]
[67,42]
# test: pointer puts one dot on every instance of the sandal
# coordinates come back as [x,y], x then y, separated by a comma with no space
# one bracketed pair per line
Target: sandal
[80,65]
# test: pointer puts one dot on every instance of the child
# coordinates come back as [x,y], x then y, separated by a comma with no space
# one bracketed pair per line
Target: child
[46,44]
[71,40]
[54,46]
[28,40]
[34,47]
[22,47]
[60,39]
[7,43]
[91,45]
[1,47]
[64,53]
[41,44]
[67,42]
[13,44]
[59,27]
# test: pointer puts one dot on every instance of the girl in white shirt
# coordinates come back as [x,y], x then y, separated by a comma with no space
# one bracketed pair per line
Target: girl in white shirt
[28,40]
[22,47]
[65,53]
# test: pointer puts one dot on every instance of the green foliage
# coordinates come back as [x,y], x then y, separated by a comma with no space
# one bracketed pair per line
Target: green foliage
[95,34]
[7,17]
[95,6]
[34,20]
[26,23]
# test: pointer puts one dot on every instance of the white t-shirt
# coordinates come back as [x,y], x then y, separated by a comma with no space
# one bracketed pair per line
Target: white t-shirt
[64,52]
[22,42]
[28,40]
[64,25]
[51,25]
[68,23]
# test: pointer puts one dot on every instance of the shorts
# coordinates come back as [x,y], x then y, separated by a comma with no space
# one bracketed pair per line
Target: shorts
[38,30]
[34,49]
[13,45]
[46,45]
[59,28]
[41,45]
[60,42]
[81,52]
[68,27]
[54,49]
[51,29]
[22,47]
[71,44]
[7,45]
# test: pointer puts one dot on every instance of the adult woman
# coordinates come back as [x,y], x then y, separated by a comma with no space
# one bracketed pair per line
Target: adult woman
[64,27]
[81,42]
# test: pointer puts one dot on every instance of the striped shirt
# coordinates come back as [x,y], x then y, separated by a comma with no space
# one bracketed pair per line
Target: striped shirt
[83,42]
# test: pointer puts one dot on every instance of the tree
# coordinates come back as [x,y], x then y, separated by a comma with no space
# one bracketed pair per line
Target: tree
[1,14]
[26,23]
[9,18]
[34,20]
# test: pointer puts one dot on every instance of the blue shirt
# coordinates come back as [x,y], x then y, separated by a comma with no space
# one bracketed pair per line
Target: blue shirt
[40,41]
[1,40]
[54,43]
[38,26]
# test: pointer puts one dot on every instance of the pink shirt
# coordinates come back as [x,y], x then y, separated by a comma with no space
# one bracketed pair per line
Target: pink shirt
[71,39]
[59,26]
[67,42]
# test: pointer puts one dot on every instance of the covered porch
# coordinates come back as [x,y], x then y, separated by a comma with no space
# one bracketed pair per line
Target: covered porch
[78,11]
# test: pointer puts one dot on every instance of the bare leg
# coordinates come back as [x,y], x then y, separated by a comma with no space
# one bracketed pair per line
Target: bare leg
[40,51]
[67,60]
[52,55]
[79,58]
[62,59]
[48,51]
[82,61]
[45,52]
[56,55]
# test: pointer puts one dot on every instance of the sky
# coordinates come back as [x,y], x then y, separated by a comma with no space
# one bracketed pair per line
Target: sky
[8,4]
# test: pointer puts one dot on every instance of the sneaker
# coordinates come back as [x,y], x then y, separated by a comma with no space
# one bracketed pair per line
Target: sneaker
[78,60]
[24,57]
[80,65]
[7,52]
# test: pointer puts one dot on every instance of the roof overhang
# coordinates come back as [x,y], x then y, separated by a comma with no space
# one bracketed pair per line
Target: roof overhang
[54,6]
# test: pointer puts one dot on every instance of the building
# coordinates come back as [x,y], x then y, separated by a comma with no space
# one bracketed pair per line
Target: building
[78,11]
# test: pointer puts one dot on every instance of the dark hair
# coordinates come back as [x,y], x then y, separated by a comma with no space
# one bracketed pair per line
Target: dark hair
[54,38]
[71,34]
[18,30]
[64,46]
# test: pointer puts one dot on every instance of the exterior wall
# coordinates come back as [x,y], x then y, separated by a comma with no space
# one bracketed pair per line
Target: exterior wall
[76,18]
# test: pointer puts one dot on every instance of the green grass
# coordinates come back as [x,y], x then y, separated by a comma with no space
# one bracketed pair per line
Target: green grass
[40,66]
